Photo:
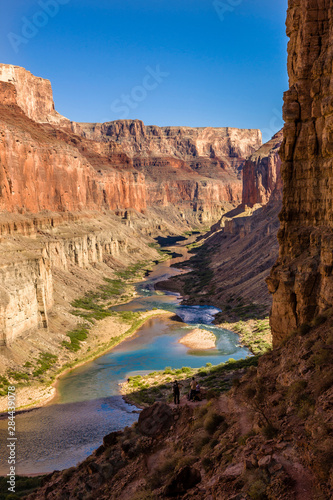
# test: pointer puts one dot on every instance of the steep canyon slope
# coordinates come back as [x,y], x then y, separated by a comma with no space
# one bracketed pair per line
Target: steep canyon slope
[196,167]
[241,249]
[270,437]
[177,178]
[301,281]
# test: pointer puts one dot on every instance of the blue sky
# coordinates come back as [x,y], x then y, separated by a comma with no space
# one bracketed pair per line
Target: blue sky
[166,62]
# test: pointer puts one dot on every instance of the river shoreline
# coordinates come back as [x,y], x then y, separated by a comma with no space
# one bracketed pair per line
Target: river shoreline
[45,395]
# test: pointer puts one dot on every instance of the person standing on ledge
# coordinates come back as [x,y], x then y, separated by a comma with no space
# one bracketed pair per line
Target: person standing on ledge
[175,388]
[193,389]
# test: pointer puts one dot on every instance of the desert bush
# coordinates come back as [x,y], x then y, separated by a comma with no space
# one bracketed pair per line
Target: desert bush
[207,463]
[212,421]
[44,362]
[257,490]
[296,390]
[321,357]
[323,383]
[269,431]
[211,394]
[199,441]
[319,320]
[187,460]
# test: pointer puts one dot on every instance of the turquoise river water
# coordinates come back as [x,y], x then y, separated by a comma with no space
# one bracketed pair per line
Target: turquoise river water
[88,404]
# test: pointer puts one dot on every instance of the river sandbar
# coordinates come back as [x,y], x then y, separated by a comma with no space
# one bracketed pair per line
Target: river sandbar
[199,339]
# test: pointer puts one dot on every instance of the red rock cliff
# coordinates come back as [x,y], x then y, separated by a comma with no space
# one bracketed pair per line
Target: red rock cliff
[186,143]
[34,95]
[45,169]
[194,168]
[261,174]
[301,281]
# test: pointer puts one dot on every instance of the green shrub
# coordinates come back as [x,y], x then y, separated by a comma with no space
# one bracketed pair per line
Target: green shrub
[319,320]
[212,421]
[45,361]
[76,337]
[199,441]
[257,490]
[321,358]
[186,369]
[18,376]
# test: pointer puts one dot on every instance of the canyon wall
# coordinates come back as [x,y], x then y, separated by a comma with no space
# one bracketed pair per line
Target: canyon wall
[34,94]
[301,281]
[262,174]
[242,247]
[42,169]
[185,143]
[63,172]
[47,252]
[195,167]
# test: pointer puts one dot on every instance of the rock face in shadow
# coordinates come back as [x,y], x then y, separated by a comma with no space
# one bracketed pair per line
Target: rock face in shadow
[301,281]
[155,420]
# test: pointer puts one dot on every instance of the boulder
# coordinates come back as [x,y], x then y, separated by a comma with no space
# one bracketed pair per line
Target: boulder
[155,420]
[184,480]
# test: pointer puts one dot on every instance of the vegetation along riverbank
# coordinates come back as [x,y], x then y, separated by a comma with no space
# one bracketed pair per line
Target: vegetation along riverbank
[98,329]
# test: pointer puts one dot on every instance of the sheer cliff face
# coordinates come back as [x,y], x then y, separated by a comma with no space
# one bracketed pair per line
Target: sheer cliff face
[44,169]
[186,143]
[195,169]
[34,95]
[262,174]
[301,281]
[198,167]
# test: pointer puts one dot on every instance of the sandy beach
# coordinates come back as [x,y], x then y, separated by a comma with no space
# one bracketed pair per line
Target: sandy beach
[199,339]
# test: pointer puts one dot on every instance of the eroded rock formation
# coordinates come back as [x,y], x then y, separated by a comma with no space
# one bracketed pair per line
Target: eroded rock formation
[197,168]
[34,94]
[186,143]
[42,169]
[262,174]
[301,281]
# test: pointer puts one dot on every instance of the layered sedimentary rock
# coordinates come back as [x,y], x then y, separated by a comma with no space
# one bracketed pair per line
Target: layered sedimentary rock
[301,281]
[48,163]
[34,94]
[262,174]
[45,169]
[197,168]
[185,143]
[37,252]
[172,181]
[242,247]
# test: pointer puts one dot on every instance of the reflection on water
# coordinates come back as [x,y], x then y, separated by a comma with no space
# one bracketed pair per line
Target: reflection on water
[60,436]
[88,404]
